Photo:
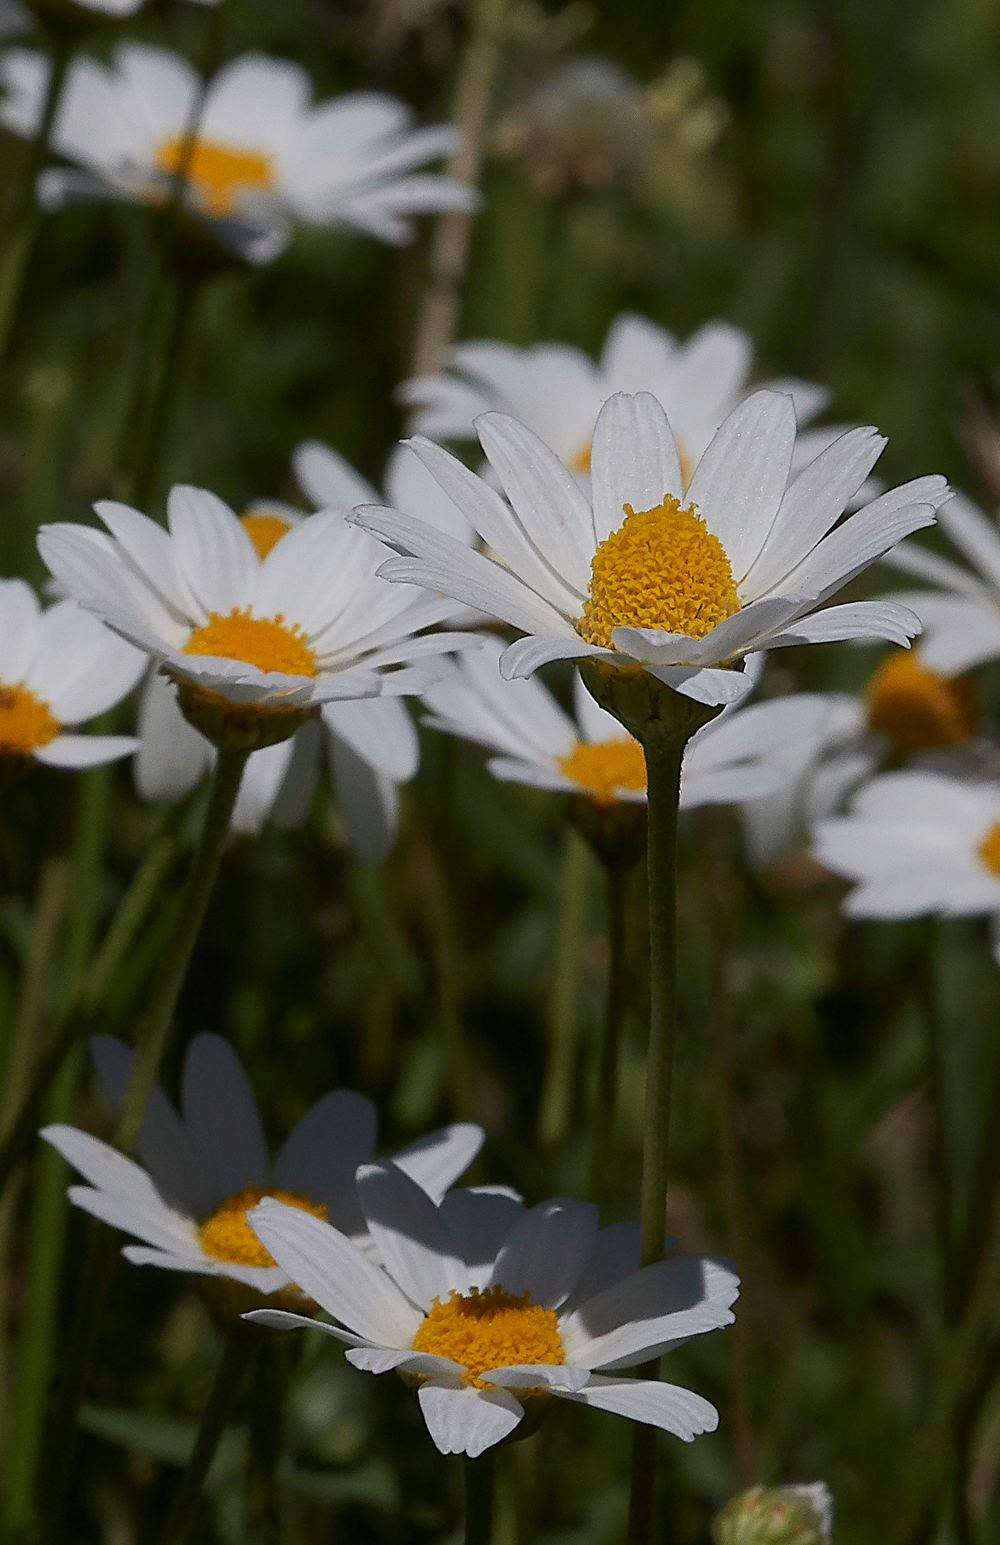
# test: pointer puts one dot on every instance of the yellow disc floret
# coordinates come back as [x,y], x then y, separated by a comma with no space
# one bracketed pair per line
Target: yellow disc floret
[267,642]
[227,1236]
[264,529]
[918,709]
[216,170]
[25,722]
[989,848]
[601,768]
[490,1329]
[662,568]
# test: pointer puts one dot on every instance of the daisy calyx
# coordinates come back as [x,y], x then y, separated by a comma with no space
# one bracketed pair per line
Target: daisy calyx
[489,1307]
[684,583]
[254,645]
[201,1168]
[264,158]
[58,668]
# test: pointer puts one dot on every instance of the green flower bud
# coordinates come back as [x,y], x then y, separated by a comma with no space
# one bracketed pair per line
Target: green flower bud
[776,1515]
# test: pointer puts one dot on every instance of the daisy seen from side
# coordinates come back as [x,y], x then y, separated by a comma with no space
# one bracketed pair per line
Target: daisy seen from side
[201,1168]
[488,1307]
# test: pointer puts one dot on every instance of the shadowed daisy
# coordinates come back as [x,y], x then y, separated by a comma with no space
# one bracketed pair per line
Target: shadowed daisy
[488,1308]
[202,1168]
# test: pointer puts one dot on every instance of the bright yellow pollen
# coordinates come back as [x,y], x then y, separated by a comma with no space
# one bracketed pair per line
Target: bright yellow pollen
[25,722]
[918,709]
[264,530]
[989,848]
[267,642]
[662,568]
[603,767]
[217,171]
[490,1329]
[227,1236]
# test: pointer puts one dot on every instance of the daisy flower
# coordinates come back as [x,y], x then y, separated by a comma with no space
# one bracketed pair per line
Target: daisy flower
[255,644]
[735,757]
[918,843]
[488,1307]
[58,668]
[202,1168]
[643,572]
[558,391]
[961,615]
[265,157]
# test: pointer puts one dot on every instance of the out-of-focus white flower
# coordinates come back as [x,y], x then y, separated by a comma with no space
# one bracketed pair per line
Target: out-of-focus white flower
[255,644]
[683,580]
[917,843]
[735,757]
[59,667]
[961,616]
[487,1307]
[265,157]
[202,1169]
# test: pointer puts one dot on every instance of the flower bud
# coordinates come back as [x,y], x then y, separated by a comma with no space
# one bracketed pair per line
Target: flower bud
[776,1515]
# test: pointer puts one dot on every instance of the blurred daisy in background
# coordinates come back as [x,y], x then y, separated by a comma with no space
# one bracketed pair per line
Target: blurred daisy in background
[916,843]
[265,157]
[58,668]
[202,1169]
[256,644]
[693,578]
[489,1308]
[735,757]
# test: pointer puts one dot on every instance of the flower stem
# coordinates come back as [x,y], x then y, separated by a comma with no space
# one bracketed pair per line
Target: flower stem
[554,1107]
[616,878]
[214,1419]
[479,1477]
[940,1148]
[664,751]
[185,299]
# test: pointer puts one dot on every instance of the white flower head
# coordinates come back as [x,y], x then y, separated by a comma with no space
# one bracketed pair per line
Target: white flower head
[683,582]
[256,644]
[202,1168]
[961,615]
[265,157]
[917,843]
[735,757]
[487,1306]
[58,668]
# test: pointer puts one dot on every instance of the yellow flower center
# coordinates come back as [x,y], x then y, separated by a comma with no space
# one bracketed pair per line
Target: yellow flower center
[989,849]
[662,568]
[227,1236]
[918,709]
[267,642]
[264,529]
[490,1329]
[605,766]
[25,722]
[219,172]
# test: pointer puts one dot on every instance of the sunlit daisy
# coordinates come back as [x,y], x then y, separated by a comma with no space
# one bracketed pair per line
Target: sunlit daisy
[917,843]
[202,1169]
[255,645]
[961,617]
[487,1307]
[735,757]
[58,668]
[684,582]
[265,158]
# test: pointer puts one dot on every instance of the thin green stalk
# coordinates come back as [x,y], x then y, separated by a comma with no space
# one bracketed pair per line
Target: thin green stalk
[164,402]
[554,1106]
[448,985]
[941,1178]
[609,1052]
[36,1347]
[984,1203]
[479,1477]
[664,751]
[214,1419]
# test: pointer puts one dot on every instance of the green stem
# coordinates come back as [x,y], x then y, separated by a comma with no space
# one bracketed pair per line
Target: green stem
[664,751]
[554,1106]
[161,413]
[479,1477]
[36,1346]
[214,1419]
[609,1053]
[940,1145]
[984,1203]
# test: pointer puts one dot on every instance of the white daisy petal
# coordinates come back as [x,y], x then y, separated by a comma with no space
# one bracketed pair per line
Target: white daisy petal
[973,534]
[322,1152]
[740,480]
[479,1222]
[222,1120]
[663,1303]
[855,619]
[633,461]
[216,560]
[368,802]
[547,500]
[667,1406]
[436,1160]
[527,655]
[162,1144]
[85,750]
[462,1420]
[411,1234]
[546,1251]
